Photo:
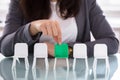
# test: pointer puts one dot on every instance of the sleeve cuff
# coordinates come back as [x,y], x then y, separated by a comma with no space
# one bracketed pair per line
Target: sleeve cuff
[28,36]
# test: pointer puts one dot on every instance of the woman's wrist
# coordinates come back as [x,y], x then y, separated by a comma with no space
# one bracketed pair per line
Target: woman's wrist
[32,30]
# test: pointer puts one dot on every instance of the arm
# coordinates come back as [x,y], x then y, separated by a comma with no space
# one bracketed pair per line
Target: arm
[100,29]
[15,31]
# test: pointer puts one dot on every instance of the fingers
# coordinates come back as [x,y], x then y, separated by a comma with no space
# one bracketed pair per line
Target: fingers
[59,32]
[52,28]
[49,30]
[43,29]
[56,39]
[55,32]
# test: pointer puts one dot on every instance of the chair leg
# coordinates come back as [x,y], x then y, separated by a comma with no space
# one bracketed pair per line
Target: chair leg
[107,66]
[74,63]
[14,73]
[34,63]
[26,63]
[95,64]
[94,68]
[14,63]
[86,62]
[18,60]
[67,61]
[55,64]
[46,63]
[34,73]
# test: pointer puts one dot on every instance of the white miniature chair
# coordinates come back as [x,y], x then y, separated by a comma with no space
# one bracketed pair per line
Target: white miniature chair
[40,51]
[80,51]
[100,52]
[20,51]
[61,52]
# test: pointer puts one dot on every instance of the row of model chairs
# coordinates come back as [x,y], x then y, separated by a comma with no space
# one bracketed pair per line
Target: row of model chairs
[41,51]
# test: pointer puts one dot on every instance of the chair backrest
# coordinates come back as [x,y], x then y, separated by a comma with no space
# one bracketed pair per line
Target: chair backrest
[80,50]
[40,50]
[61,50]
[100,51]
[21,50]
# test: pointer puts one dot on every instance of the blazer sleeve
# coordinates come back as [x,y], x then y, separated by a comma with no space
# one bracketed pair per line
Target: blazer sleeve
[15,31]
[100,29]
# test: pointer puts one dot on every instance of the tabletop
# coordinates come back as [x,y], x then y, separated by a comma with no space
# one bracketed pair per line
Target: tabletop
[61,72]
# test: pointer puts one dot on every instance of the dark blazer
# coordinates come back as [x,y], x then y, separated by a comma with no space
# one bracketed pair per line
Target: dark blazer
[89,19]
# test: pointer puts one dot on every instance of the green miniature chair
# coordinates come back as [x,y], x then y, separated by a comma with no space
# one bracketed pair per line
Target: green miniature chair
[61,52]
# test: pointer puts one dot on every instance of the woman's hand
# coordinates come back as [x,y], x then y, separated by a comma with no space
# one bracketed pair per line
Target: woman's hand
[50,48]
[47,27]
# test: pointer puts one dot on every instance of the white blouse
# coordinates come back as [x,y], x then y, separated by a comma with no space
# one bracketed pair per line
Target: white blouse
[68,27]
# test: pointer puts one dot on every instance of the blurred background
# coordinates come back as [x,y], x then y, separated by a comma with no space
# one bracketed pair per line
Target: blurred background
[111,10]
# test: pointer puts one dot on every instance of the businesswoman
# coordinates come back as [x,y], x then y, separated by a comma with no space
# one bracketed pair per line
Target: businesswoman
[56,21]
